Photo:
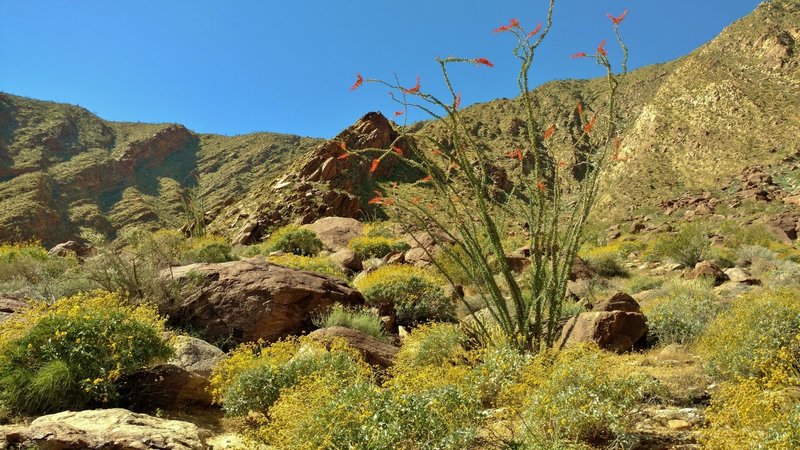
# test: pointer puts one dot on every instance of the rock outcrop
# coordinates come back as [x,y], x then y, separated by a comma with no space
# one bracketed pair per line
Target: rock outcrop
[616,324]
[254,299]
[374,351]
[106,429]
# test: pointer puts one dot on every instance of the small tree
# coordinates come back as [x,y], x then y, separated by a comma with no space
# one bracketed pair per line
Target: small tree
[549,202]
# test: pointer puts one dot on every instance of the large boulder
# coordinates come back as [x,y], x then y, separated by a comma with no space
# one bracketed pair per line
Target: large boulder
[70,247]
[336,232]
[347,259]
[709,270]
[616,324]
[106,429]
[195,355]
[374,351]
[164,386]
[253,299]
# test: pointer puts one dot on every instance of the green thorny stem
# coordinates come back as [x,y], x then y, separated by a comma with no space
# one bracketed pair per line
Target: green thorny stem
[526,309]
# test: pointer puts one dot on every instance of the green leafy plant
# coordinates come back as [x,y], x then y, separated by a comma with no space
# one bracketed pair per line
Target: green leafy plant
[294,239]
[681,311]
[207,249]
[319,264]
[363,320]
[28,269]
[67,355]
[417,294]
[687,247]
[376,246]
[467,208]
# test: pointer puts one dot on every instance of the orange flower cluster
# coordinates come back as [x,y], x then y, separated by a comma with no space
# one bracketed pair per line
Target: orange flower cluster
[412,90]
[516,154]
[549,132]
[358,83]
[618,19]
[483,61]
[513,23]
[535,30]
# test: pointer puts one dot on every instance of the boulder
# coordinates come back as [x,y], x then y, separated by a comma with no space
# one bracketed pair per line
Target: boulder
[740,275]
[9,306]
[106,429]
[347,259]
[164,386]
[70,247]
[707,269]
[619,302]
[196,356]
[254,299]
[617,331]
[336,232]
[374,351]
[581,270]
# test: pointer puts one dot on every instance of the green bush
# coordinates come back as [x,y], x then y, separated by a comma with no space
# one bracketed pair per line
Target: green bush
[252,380]
[294,239]
[27,269]
[318,264]
[681,311]
[366,247]
[756,326]
[68,354]
[640,283]
[432,344]
[206,249]
[608,260]
[577,398]
[687,247]
[363,320]
[417,295]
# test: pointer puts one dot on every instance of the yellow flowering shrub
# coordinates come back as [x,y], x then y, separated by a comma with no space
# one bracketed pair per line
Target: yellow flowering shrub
[757,325]
[319,264]
[67,355]
[759,412]
[294,239]
[608,260]
[575,398]
[378,246]
[416,293]
[209,249]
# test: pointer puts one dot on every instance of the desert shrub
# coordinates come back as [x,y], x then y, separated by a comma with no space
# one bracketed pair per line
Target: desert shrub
[207,249]
[318,264]
[27,269]
[608,260]
[575,398]
[640,283]
[723,256]
[416,293]
[363,320]
[681,310]
[253,380]
[366,247]
[67,355]
[294,239]
[756,326]
[687,247]
[758,412]
[361,415]
[735,235]
[432,344]
[379,229]
[136,263]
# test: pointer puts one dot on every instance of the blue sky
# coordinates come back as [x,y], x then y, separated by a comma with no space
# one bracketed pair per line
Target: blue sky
[240,66]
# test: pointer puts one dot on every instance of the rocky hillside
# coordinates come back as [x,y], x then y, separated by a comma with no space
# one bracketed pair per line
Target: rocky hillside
[63,169]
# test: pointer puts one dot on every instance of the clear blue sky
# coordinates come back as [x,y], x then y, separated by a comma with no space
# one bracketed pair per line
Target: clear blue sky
[232,67]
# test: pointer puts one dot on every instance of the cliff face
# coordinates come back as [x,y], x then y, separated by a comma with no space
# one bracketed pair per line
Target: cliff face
[63,169]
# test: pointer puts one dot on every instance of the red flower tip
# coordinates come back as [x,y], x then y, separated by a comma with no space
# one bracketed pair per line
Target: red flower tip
[374,165]
[423,180]
[535,31]
[561,164]
[516,154]
[358,83]
[376,201]
[579,108]
[549,132]
[578,55]
[342,145]
[398,150]
[436,151]
[588,128]
[540,185]
[618,19]
[483,61]
[513,23]
[601,49]
[397,113]
[343,156]
[414,89]
[458,101]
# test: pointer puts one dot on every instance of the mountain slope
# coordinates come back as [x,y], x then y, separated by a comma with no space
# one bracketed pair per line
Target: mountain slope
[63,169]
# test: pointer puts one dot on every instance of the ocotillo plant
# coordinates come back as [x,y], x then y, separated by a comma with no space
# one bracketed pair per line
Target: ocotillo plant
[546,200]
